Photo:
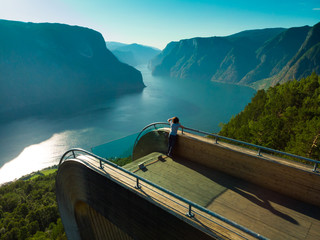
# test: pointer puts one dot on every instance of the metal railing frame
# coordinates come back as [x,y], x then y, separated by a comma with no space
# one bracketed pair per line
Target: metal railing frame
[217,137]
[190,204]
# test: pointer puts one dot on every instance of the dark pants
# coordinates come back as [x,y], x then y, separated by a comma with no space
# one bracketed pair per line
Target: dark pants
[172,141]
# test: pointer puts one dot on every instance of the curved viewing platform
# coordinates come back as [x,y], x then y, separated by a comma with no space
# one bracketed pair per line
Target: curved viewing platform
[212,188]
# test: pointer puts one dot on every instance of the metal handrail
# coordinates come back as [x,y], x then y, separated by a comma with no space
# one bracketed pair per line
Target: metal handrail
[217,137]
[138,178]
[146,127]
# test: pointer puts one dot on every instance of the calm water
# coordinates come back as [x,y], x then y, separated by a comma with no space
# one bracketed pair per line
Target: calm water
[35,143]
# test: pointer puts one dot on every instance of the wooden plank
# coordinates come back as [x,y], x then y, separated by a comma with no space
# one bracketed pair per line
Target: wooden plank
[263,211]
[203,221]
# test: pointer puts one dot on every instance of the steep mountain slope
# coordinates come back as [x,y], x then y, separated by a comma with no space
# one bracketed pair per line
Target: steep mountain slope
[306,60]
[257,58]
[213,58]
[242,57]
[114,45]
[53,65]
[132,54]
[276,53]
[158,59]
[194,58]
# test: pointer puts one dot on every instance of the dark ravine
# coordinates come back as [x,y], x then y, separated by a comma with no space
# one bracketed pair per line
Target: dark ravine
[256,58]
[47,67]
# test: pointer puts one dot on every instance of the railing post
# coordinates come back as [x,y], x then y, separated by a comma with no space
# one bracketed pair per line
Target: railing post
[74,156]
[189,213]
[259,152]
[315,167]
[101,164]
[137,184]
[217,140]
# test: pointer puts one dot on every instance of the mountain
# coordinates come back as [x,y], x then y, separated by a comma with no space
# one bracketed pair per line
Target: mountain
[307,59]
[114,45]
[276,53]
[47,67]
[292,55]
[132,54]
[217,58]
[256,58]
[158,58]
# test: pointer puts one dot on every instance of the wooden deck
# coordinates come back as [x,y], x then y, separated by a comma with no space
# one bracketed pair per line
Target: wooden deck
[213,227]
[268,213]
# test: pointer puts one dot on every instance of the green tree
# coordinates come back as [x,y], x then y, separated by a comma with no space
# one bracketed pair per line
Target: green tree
[10,201]
[28,210]
[285,117]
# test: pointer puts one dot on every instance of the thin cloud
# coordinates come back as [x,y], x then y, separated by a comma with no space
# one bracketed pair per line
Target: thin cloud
[316,9]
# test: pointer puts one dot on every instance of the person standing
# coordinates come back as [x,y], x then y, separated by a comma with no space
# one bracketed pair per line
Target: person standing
[174,126]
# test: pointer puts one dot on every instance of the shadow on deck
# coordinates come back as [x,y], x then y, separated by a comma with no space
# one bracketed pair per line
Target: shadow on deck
[274,197]
[267,212]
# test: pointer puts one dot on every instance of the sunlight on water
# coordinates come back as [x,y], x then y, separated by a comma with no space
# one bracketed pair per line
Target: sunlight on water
[35,157]
[31,144]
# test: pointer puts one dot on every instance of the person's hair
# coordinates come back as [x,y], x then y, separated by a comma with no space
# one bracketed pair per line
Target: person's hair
[175,120]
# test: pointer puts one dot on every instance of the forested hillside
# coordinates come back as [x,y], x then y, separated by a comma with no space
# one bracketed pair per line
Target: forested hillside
[285,117]
[28,210]
[28,207]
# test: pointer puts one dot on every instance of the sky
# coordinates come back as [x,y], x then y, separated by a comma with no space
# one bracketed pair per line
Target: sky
[156,23]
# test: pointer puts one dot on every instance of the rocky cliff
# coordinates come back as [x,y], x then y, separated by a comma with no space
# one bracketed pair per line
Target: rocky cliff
[53,65]
[257,58]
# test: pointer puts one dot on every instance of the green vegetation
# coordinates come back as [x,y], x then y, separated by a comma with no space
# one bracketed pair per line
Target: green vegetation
[285,117]
[43,172]
[28,208]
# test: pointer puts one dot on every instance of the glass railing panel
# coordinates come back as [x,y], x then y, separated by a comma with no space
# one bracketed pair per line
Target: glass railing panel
[120,148]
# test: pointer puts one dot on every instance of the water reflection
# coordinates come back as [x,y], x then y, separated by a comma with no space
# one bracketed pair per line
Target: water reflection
[35,157]
[28,145]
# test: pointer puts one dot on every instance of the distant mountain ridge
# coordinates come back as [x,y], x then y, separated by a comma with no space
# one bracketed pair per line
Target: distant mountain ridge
[47,66]
[132,54]
[256,58]
[276,53]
